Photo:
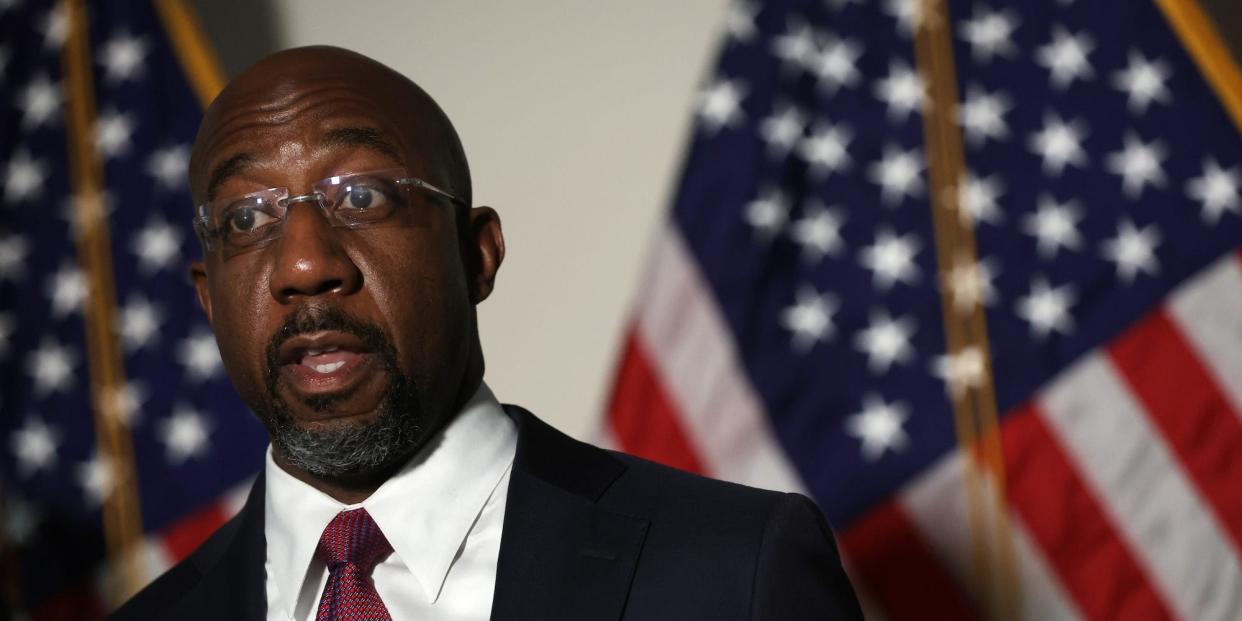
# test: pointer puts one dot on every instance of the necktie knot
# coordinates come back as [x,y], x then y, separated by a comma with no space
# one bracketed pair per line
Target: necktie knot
[353,537]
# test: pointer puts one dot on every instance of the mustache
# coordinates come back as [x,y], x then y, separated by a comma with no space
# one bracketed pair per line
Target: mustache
[311,319]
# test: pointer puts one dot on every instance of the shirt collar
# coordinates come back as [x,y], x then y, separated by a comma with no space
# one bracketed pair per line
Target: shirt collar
[425,510]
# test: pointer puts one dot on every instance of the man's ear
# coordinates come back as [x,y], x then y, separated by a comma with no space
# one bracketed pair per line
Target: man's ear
[489,245]
[198,275]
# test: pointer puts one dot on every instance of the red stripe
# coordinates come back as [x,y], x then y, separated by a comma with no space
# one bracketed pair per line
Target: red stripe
[642,415]
[901,570]
[1182,398]
[186,534]
[1062,515]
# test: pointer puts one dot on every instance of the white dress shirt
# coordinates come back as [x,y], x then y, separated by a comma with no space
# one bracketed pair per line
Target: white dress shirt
[442,513]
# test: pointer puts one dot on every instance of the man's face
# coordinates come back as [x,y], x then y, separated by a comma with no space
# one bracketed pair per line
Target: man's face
[350,344]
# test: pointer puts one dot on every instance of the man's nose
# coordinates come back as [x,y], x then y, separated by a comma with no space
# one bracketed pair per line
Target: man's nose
[310,259]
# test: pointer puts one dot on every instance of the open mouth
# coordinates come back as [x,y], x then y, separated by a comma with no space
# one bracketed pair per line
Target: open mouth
[323,363]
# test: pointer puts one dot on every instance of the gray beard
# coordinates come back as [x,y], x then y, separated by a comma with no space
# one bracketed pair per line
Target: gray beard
[383,443]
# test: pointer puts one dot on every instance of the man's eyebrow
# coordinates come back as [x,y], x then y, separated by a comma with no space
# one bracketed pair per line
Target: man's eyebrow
[361,137]
[226,169]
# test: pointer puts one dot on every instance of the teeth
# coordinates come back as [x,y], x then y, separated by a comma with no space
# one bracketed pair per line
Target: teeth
[315,352]
[328,368]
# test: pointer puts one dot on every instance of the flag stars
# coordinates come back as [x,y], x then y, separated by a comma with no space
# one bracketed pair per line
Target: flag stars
[1047,308]
[902,90]
[1216,190]
[1054,226]
[51,367]
[55,27]
[809,319]
[67,289]
[961,371]
[982,116]
[1133,250]
[13,252]
[40,102]
[1060,143]
[825,149]
[891,259]
[1138,165]
[1065,57]
[139,323]
[969,283]
[782,130]
[818,232]
[978,199]
[1143,82]
[34,446]
[796,47]
[837,64]
[886,341]
[908,13]
[899,175]
[157,246]
[184,434]
[880,427]
[97,478]
[125,401]
[23,178]
[199,355]
[168,166]
[122,57]
[720,104]
[989,33]
[112,133]
[768,213]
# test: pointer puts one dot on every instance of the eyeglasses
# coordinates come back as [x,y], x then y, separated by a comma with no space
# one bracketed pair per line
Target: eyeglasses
[354,201]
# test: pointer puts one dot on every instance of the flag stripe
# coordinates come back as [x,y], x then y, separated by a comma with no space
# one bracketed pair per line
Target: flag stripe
[1184,403]
[1062,515]
[643,421]
[691,352]
[190,531]
[1207,313]
[900,569]
[1144,491]
[938,497]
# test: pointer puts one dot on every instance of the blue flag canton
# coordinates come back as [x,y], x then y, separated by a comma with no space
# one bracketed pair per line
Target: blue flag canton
[805,203]
[193,438]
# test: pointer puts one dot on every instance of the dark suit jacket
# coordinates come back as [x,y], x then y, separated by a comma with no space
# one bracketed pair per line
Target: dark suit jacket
[588,534]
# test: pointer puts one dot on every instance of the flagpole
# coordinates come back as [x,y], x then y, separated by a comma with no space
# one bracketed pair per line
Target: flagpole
[968,354]
[114,447]
[1194,29]
[194,53]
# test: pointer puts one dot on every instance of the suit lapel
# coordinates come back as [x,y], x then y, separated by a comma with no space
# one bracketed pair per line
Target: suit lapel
[562,556]
[233,577]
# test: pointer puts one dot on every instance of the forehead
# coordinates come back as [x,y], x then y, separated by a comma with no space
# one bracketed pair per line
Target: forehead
[301,126]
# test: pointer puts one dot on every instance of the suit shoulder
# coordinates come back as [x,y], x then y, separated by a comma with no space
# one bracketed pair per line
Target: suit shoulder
[666,484]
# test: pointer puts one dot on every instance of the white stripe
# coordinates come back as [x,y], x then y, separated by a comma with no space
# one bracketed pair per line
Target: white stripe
[936,502]
[1208,310]
[1144,491]
[692,352]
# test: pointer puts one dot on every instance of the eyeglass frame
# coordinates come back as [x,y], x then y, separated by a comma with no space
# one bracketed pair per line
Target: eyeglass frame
[202,217]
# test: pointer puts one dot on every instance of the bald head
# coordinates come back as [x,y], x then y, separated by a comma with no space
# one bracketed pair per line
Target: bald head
[345,98]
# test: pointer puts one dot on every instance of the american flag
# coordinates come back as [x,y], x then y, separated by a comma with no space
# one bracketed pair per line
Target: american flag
[109,370]
[1005,358]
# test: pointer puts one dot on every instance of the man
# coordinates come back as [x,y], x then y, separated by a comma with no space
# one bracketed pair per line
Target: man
[341,267]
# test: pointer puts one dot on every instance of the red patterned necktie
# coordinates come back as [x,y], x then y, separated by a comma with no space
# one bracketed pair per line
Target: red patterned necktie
[351,546]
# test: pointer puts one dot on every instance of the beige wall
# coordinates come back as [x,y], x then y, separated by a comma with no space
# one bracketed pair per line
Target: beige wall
[574,116]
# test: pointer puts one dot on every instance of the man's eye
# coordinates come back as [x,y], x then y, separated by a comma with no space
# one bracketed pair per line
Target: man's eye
[363,197]
[246,219]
